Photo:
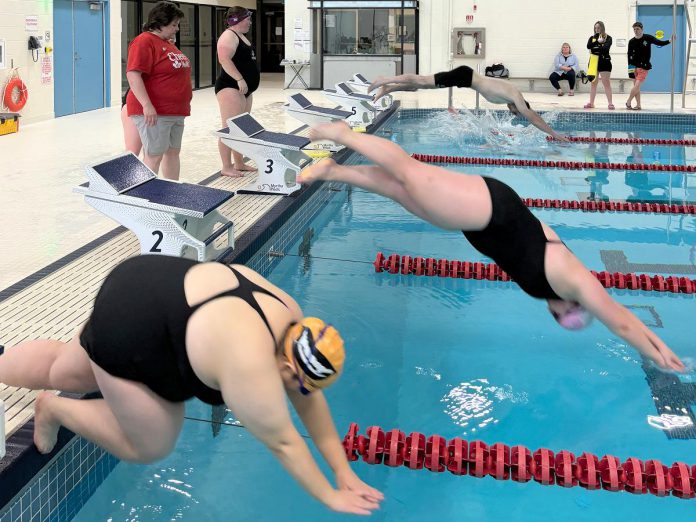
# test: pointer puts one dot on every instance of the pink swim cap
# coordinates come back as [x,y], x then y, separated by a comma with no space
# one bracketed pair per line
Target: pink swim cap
[576,318]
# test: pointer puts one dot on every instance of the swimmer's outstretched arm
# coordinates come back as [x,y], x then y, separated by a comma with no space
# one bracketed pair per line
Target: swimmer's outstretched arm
[316,416]
[403,82]
[253,390]
[534,118]
[592,295]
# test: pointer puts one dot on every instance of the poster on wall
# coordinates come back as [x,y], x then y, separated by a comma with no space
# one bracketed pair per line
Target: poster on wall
[31,23]
[2,54]
[46,69]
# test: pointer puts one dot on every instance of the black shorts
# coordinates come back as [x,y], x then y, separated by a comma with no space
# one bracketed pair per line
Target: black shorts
[459,77]
[604,65]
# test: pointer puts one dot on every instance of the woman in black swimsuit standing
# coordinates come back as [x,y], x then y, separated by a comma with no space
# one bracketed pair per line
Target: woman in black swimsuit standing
[166,329]
[237,82]
[497,223]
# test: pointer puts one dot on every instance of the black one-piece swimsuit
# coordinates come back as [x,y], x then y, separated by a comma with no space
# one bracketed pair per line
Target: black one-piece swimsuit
[137,329]
[244,60]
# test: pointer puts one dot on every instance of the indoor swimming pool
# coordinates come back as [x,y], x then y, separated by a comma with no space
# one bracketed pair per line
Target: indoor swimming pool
[479,360]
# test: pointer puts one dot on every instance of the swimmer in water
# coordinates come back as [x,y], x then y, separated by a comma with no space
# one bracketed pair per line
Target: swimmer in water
[496,222]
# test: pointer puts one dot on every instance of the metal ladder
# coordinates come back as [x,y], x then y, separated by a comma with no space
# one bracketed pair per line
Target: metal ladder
[690,40]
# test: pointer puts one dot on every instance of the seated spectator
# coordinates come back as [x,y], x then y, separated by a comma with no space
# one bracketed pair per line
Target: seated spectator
[564,67]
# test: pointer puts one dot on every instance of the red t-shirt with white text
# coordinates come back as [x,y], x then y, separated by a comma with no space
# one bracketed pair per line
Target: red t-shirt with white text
[166,72]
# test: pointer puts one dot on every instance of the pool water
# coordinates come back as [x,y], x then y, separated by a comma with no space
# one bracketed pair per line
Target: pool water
[474,359]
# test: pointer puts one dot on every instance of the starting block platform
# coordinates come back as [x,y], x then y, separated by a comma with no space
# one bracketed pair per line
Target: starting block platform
[381,105]
[168,217]
[300,108]
[279,157]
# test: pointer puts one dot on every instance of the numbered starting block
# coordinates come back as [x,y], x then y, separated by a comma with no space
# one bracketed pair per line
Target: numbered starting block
[361,84]
[278,156]
[168,217]
[381,105]
[302,109]
[359,105]
[358,83]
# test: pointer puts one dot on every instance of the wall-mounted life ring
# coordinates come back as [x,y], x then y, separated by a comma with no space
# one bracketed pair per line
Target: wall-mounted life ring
[15,90]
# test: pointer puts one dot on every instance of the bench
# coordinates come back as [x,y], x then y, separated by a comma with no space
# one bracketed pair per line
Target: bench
[278,156]
[578,83]
[168,217]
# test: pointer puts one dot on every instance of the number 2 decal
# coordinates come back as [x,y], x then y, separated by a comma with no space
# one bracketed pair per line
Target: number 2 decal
[159,235]
[269,166]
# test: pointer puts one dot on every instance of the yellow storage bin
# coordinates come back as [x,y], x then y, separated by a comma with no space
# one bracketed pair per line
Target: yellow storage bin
[9,123]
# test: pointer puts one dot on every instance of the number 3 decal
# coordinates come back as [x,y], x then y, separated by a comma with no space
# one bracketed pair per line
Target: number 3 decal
[159,235]
[269,166]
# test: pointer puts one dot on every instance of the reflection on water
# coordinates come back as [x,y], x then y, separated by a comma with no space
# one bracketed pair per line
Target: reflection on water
[471,405]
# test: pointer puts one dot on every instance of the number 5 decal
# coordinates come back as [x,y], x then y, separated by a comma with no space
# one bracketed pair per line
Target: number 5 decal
[159,235]
[269,166]
[354,110]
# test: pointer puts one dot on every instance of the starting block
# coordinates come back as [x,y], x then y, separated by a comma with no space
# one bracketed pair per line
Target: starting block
[382,104]
[360,84]
[302,109]
[279,157]
[359,105]
[168,217]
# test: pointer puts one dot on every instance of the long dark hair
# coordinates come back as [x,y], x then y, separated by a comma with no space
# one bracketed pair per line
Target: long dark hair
[163,14]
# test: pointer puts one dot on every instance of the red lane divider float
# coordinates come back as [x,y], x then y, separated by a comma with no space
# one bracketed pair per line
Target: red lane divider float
[430,266]
[611,206]
[568,165]
[460,457]
[630,141]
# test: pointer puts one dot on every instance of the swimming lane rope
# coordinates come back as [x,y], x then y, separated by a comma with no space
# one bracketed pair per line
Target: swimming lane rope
[460,457]
[612,206]
[629,141]
[568,165]
[429,266]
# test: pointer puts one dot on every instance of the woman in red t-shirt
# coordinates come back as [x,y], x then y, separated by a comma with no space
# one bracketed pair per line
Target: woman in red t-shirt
[159,75]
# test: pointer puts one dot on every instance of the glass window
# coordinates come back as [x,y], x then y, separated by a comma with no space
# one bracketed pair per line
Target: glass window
[369,31]
[129,31]
[187,37]
[206,41]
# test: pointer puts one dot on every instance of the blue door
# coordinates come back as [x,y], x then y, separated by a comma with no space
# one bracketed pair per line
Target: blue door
[62,57]
[88,31]
[78,28]
[659,18]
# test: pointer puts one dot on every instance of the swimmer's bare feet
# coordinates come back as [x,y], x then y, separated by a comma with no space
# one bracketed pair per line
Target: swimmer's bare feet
[231,172]
[329,131]
[45,427]
[243,167]
[452,110]
[321,170]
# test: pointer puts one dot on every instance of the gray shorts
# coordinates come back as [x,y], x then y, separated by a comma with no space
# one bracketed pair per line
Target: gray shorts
[159,138]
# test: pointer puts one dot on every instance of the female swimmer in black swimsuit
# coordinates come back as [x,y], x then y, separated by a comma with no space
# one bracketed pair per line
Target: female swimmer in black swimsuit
[166,329]
[237,82]
[496,222]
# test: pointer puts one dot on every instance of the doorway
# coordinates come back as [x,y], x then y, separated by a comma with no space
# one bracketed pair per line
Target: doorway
[272,31]
[79,40]
[659,18]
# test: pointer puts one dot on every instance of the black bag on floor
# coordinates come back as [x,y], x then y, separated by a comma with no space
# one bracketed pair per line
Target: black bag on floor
[497,70]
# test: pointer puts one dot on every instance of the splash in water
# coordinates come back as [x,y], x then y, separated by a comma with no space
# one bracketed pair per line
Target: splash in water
[491,129]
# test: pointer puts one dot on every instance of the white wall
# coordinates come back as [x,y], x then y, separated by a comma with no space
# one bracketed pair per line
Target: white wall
[525,35]
[12,30]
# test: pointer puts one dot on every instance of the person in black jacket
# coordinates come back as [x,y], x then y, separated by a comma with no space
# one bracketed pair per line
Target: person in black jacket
[639,60]
[600,43]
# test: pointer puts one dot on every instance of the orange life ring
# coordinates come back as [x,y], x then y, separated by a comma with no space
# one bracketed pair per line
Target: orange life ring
[15,85]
